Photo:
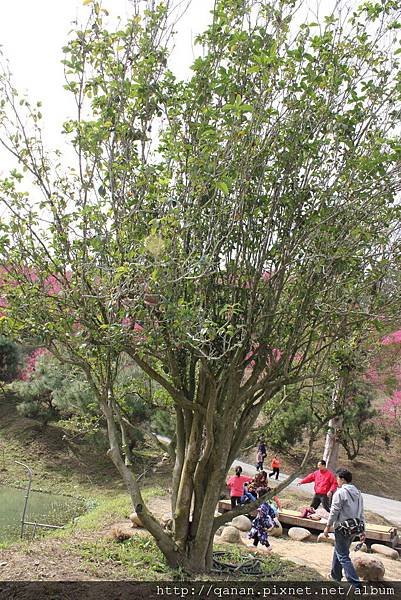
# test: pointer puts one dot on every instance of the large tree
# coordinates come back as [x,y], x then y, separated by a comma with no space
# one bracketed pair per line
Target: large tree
[218,230]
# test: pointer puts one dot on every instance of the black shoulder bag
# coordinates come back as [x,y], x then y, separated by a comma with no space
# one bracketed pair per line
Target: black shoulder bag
[353,526]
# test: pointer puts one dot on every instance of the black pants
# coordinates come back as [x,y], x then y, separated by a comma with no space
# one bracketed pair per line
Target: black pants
[276,470]
[256,541]
[259,465]
[235,500]
[321,498]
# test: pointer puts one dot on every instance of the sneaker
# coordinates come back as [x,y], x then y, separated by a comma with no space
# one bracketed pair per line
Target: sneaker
[331,578]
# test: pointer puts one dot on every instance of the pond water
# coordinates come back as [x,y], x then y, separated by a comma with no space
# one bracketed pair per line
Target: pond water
[42,508]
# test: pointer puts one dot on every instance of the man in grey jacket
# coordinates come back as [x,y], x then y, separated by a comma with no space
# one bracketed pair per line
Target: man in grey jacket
[347,504]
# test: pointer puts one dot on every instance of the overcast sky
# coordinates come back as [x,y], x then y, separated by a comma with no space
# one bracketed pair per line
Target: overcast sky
[32,34]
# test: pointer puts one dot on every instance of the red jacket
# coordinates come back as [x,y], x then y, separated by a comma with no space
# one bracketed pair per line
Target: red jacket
[324,481]
[236,484]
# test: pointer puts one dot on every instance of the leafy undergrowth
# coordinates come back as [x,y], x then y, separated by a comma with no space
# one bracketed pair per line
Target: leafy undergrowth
[137,558]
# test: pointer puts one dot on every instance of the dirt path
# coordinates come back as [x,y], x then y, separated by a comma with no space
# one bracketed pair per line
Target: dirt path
[315,555]
[319,556]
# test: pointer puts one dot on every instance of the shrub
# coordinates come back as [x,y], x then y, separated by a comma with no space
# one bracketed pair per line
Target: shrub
[9,360]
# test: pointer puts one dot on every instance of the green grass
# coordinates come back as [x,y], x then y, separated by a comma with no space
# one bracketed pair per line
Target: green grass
[137,558]
[104,510]
[140,559]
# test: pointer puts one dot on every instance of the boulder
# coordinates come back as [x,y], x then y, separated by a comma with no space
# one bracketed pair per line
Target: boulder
[385,551]
[219,531]
[242,523]
[328,540]
[368,567]
[166,518]
[299,534]
[363,548]
[276,531]
[231,534]
[136,521]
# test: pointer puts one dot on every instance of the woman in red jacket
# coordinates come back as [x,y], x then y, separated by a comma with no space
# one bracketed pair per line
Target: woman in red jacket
[325,485]
[236,486]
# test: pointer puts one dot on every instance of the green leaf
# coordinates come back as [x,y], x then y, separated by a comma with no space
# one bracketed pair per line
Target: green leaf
[223,187]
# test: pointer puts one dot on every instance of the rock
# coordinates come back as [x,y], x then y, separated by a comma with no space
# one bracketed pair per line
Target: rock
[231,534]
[166,518]
[299,534]
[328,540]
[322,513]
[363,548]
[219,531]
[136,521]
[242,523]
[385,551]
[3,564]
[368,567]
[276,531]
[298,561]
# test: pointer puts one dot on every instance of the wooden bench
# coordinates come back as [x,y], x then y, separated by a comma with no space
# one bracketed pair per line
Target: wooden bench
[378,533]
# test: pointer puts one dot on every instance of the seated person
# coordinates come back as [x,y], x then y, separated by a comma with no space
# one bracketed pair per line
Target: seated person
[261,483]
[260,479]
[249,494]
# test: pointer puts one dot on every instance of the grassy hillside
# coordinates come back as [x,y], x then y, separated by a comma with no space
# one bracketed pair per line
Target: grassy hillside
[59,463]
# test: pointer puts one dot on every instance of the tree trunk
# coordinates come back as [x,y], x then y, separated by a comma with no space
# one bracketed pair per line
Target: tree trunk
[204,441]
[173,554]
[332,445]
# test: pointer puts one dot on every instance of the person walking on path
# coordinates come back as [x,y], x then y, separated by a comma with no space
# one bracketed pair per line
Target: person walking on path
[236,486]
[325,485]
[261,454]
[347,518]
[275,467]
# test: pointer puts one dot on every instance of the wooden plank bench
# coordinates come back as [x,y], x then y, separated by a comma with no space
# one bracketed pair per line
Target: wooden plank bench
[378,533]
